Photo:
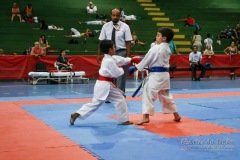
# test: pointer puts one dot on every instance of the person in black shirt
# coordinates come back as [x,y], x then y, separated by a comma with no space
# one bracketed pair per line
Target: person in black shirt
[62,62]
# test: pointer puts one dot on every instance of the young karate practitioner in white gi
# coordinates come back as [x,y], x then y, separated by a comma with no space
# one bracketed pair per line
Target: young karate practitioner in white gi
[157,84]
[104,89]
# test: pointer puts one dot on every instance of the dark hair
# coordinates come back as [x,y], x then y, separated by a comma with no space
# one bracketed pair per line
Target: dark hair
[105,45]
[195,32]
[195,47]
[44,40]
[166,32]
[61,53]
[208,35]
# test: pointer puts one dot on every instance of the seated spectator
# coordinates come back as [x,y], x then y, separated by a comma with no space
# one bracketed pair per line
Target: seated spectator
[231,50]
[62,62]
[236,34]
[195,58]
[2,52]
[76,33]
[189,21]
[95,22]
[208,51]
[136,40]
[228,31]
[91,8]
[16,12]
[197,40]
[44,43]
[208,41]
[37,51]
[28,13]
[173,47]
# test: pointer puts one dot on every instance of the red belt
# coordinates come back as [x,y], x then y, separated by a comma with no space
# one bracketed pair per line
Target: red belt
[102,78]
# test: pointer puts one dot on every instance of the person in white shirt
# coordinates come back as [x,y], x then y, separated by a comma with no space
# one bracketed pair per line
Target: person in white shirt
[195,58]
[91,8]
[105,88]
[197,41]
[157,83]
[122,41]
[208,41]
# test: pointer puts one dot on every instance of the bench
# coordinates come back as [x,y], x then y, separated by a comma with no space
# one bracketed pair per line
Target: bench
[232,70]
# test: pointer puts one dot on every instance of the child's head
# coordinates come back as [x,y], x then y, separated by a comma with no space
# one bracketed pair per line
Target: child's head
[208,47]
[164,34]
[107,47]
[62,53]
[195,49]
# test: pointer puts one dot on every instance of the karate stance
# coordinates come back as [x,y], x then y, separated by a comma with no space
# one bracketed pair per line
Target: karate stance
[104,89]
[157,84]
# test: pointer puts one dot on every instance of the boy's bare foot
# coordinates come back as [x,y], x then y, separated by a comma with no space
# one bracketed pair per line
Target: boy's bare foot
[143,121]
[79,22]
[177,119]
[127,123]
[73,118]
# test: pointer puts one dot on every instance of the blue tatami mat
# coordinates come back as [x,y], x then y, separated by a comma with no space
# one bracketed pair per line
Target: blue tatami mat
[105,138]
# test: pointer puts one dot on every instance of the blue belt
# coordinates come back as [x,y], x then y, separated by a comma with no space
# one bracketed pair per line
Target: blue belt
[153,69]
[138,89]
[159,69]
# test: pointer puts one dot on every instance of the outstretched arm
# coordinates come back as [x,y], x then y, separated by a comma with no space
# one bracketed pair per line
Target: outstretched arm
[180,20]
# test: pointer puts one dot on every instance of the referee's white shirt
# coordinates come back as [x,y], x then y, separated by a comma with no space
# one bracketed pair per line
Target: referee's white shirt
[123,34]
